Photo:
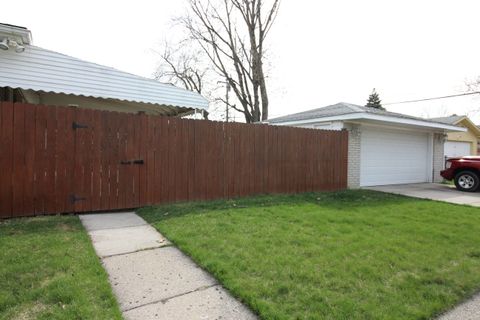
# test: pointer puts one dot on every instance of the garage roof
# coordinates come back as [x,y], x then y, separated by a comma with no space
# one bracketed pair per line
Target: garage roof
[347,111]
[48,71]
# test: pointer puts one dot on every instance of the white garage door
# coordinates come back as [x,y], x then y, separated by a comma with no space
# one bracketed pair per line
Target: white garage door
[393,157]
[457,148]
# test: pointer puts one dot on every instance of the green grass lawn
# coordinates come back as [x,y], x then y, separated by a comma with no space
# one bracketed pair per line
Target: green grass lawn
[346,255]
[49,270]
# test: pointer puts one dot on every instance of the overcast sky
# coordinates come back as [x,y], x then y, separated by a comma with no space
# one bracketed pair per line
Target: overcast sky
[321,52]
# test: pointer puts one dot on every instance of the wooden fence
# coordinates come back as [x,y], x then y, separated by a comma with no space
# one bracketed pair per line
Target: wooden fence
[64,159]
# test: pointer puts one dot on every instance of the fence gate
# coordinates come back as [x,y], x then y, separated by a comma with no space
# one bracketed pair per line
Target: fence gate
[108,161]
[58,159]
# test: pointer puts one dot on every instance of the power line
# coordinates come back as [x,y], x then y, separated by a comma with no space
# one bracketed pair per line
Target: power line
[435,98]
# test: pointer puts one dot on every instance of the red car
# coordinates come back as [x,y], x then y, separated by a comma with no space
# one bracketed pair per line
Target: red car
[464,171]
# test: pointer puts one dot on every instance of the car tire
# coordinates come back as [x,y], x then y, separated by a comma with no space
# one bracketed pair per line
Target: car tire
[467,181]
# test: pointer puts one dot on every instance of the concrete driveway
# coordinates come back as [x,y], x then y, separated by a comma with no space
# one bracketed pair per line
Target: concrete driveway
[433,191]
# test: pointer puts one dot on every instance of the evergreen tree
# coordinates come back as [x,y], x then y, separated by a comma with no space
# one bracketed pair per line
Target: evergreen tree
[374,101]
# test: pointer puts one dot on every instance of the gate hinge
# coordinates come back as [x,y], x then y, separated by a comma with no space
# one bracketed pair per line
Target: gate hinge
[76,125]
[74,198]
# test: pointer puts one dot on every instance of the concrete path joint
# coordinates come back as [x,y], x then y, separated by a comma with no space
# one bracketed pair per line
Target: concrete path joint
[151,278]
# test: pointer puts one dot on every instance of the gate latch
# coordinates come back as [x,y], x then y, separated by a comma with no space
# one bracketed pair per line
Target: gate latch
[136,161]
[76,125]
[74,198]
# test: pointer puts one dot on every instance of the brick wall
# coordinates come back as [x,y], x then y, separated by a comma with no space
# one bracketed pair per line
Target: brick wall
[438,156]
[354,136]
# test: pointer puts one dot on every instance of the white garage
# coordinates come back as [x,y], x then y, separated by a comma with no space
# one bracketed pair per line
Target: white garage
[394,156]
[383,147]
[457,148]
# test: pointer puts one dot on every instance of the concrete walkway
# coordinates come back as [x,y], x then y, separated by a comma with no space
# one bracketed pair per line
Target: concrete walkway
[469,310]
[433,191]
[151,278]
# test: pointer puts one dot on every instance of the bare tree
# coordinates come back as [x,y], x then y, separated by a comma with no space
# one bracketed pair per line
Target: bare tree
[232,35]
[473,85]
[182,68]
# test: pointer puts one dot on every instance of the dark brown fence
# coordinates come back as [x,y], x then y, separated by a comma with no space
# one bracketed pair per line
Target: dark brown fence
[62,159]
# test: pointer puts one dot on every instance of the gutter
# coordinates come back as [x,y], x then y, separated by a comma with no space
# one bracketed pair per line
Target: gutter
[375,117]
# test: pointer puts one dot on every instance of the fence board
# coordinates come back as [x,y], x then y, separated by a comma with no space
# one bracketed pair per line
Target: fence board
[228,161]
[105,147]
[182,190]
[45,161]
[96,165]
[190,146]
[130,156]
[142,127]
[50,160]
[63,127]
[78,170]
[136,156]
[28,197]
[150,160]
[6,160]
[113,159]
[18,182]
[172,150]
[162,141]
[39,167]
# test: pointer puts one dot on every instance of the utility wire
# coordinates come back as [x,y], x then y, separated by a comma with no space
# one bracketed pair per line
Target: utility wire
[435,98]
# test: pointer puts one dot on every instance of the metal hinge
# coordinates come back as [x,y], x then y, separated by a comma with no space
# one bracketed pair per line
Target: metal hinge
[74,198]
[76,125]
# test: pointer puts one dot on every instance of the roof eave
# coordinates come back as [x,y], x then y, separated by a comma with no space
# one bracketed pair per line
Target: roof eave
[389,119]
[198,105]
[470,124]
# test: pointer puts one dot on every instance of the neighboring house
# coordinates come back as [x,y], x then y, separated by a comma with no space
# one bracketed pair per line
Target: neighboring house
[384,147]
[35,75]
[461,143]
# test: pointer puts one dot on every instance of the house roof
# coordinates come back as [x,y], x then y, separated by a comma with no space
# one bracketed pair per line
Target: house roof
[453,119]
[347,111]
[48,71]
[462,120]
[337,110]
